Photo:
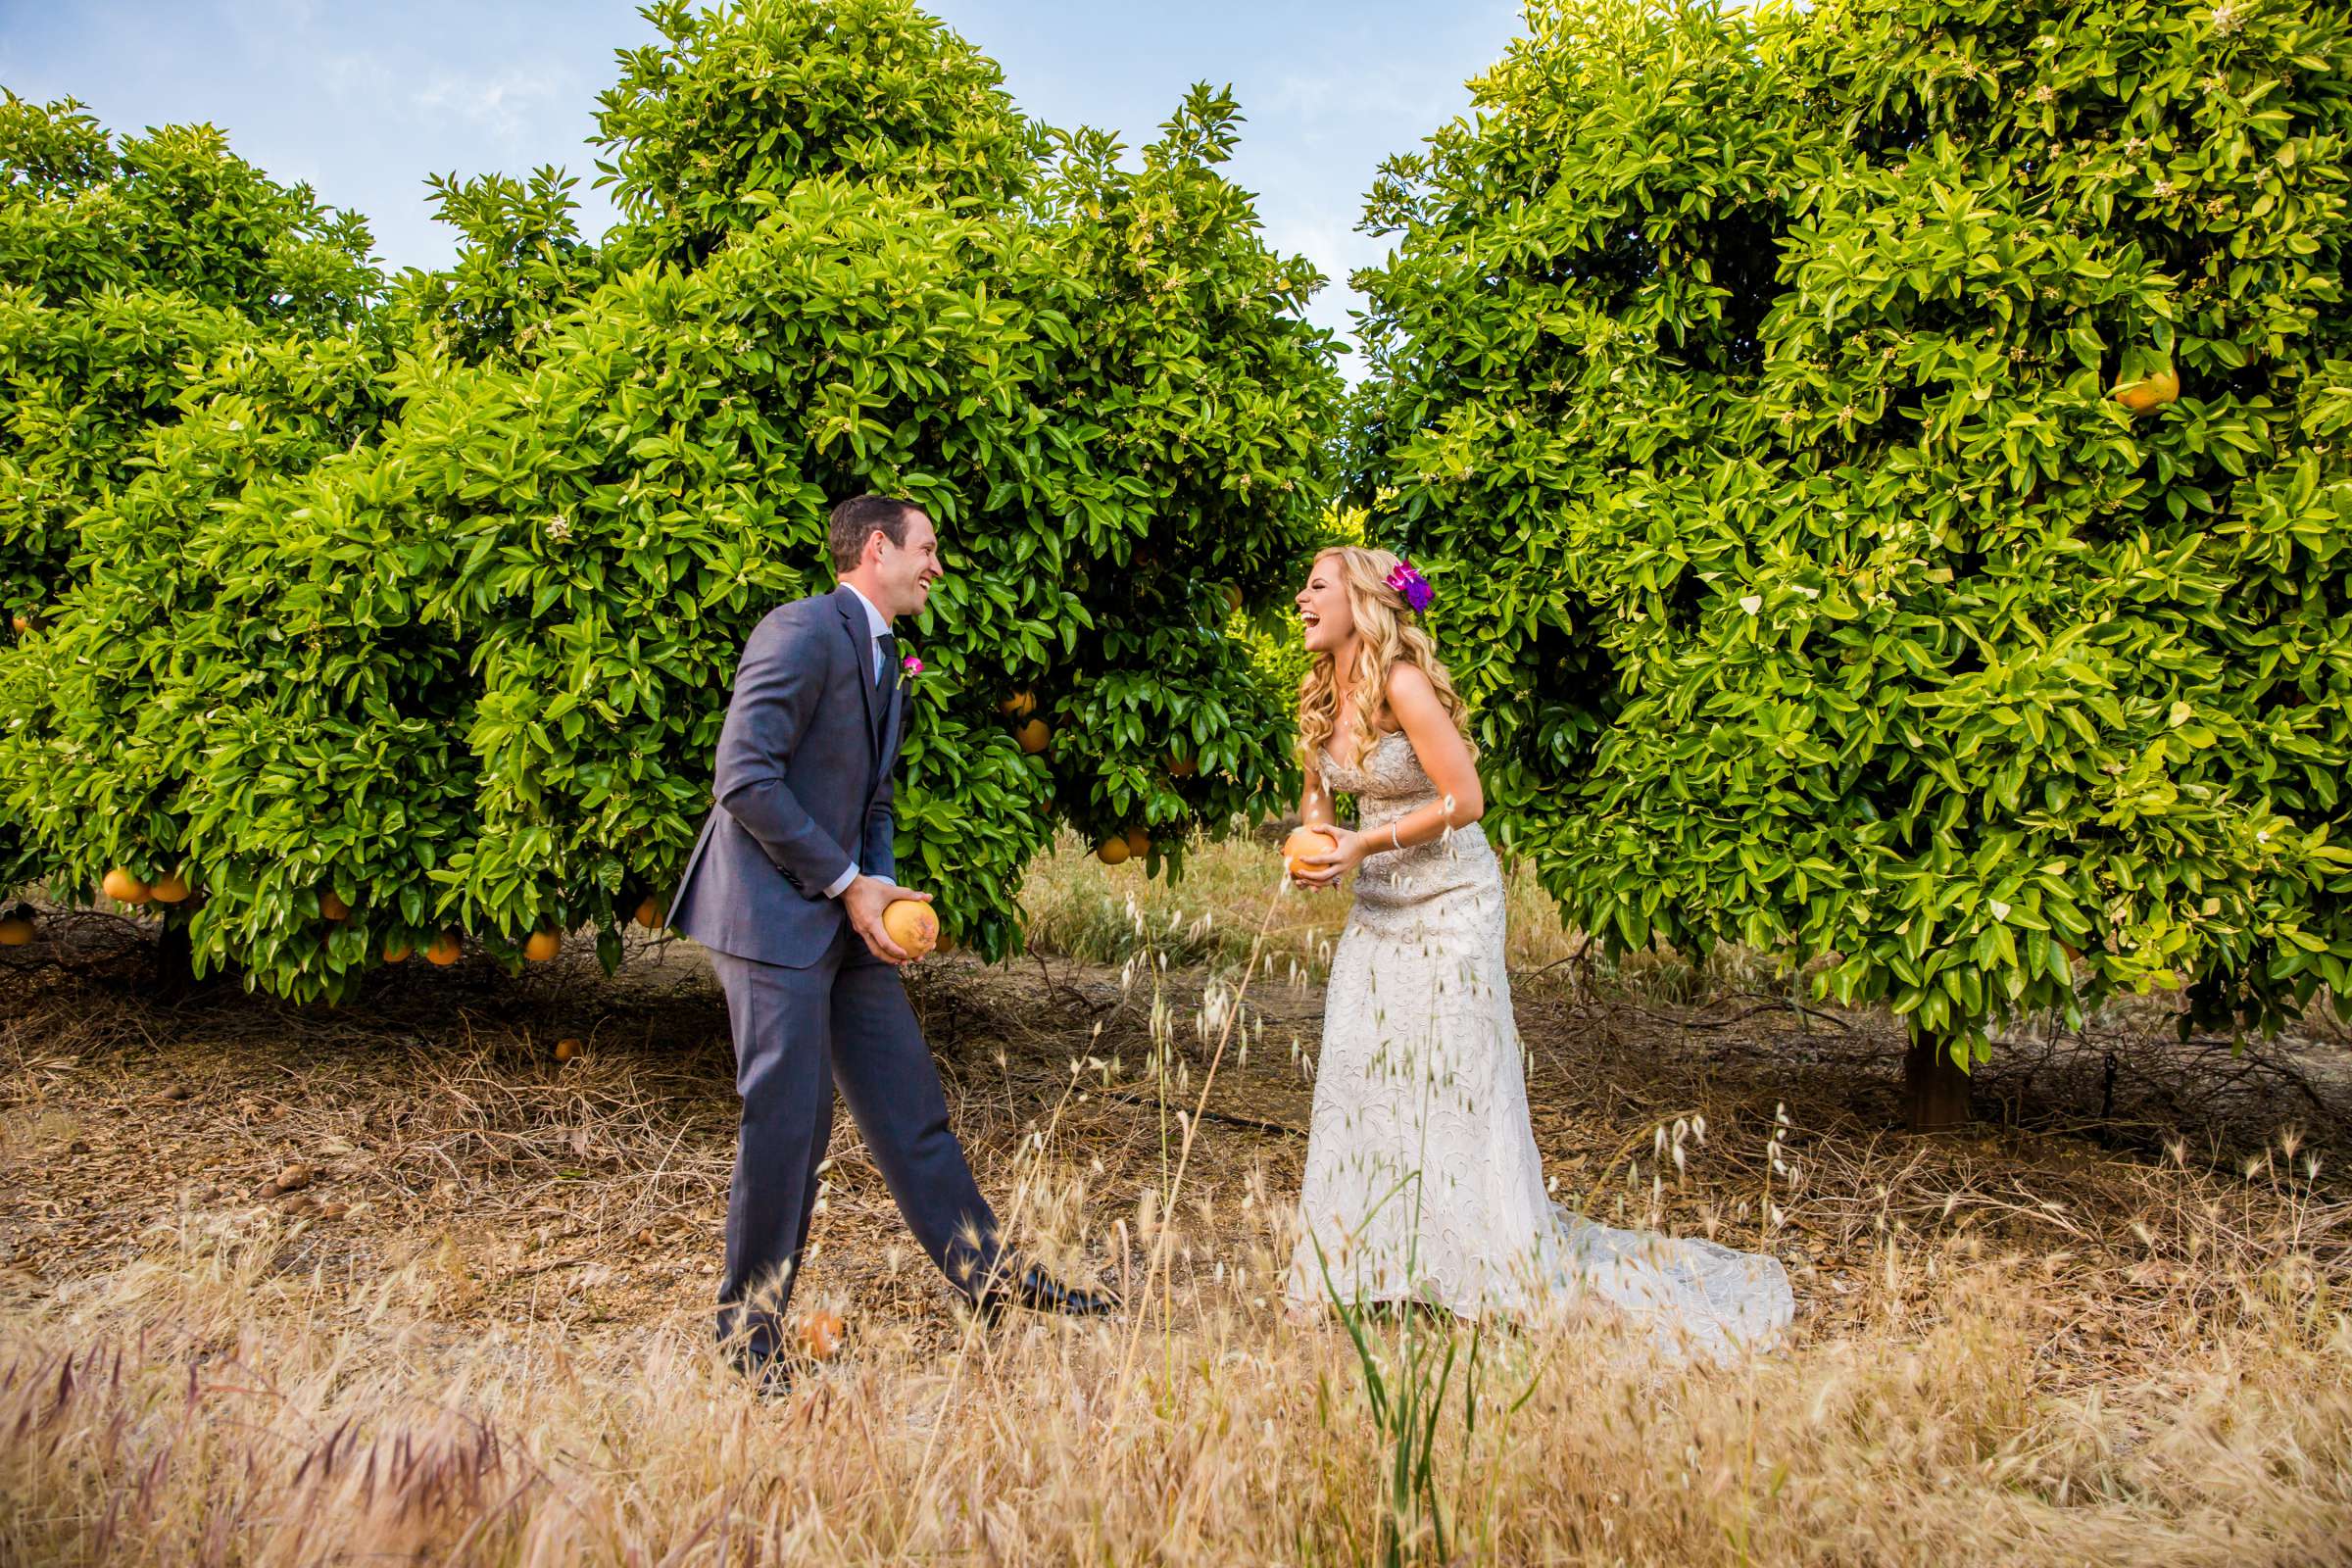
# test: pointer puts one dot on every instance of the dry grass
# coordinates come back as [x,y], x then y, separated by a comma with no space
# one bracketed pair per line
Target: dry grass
[1079,909]
[479,1331]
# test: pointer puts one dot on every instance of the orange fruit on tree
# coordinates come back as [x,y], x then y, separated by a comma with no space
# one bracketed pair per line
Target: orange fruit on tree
[1139,843]
[331,906]
[543,946]
[123,888]
[1233,599]
[397,950]
[22,622]
[650,913]
[444,950]
[912,925]
[172,888]
[1306,840]
[16,927]
[821,1333]
[1034,736]
[1113,851]
[1182,767]
[2149,391]
[1020,704]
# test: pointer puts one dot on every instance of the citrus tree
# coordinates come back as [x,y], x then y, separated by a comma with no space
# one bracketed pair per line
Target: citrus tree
[1886,470]
[460,679]
[131,271]
[123,265]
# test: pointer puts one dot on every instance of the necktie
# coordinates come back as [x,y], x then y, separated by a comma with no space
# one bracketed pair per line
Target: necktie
[890,656]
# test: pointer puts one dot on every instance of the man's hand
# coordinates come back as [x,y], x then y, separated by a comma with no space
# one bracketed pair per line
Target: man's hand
[865,899]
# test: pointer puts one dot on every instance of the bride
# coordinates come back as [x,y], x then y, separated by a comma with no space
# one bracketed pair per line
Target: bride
[1422,1181]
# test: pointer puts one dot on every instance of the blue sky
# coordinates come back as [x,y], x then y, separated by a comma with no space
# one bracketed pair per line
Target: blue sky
[363,99]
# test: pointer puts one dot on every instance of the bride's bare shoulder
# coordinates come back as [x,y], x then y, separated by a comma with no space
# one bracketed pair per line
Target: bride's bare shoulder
[1409,686]
[1405,675]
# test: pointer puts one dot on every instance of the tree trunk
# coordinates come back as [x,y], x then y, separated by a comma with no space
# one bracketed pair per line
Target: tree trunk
[1934,1088]
[174,962]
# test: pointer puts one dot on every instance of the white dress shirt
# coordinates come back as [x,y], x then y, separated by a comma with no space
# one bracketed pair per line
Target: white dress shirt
[879,629]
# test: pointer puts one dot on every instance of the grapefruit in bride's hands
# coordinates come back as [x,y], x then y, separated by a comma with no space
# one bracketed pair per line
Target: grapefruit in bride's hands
[912,926]
[1304,844]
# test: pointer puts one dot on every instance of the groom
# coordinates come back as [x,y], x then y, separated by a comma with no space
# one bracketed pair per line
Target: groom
[786,890]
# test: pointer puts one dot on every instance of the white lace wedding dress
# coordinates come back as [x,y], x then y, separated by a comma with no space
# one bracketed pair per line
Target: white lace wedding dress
[1423,1182]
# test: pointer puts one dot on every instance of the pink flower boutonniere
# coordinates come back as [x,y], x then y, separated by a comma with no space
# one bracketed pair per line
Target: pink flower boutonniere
[909,668]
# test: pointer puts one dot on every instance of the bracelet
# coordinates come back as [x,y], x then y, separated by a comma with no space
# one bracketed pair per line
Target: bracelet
[1393,843]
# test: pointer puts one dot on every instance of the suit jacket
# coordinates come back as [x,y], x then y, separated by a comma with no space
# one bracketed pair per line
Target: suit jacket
[802,785]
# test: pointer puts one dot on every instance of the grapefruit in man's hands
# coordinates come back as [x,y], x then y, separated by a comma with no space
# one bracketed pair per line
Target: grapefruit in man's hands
[912,926]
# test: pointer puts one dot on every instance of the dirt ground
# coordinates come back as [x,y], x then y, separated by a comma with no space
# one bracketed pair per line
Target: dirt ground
[431,1124]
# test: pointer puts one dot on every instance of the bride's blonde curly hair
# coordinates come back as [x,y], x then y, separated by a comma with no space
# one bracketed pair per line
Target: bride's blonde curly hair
[1389,634]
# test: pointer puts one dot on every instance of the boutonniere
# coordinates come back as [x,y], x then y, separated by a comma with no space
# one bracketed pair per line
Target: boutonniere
[909,668]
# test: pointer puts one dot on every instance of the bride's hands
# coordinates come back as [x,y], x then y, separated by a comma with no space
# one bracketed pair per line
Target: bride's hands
[1344,857]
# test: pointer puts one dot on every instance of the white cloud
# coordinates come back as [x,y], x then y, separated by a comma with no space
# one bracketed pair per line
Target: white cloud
[1404,94]
[506,102]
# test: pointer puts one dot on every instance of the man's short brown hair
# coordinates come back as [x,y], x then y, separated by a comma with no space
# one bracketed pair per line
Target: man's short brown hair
[859,518]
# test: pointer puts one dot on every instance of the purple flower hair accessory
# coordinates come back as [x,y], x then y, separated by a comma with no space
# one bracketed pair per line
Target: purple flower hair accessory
[1407,579]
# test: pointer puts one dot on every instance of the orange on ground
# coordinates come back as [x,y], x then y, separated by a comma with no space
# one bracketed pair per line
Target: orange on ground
[1034,736]
[172,888]
[1113,852]
[16,931]
[123,888]
[821,1334]
[567,1048]
[445,949]
[1304,841]
[912,925]
[543,946]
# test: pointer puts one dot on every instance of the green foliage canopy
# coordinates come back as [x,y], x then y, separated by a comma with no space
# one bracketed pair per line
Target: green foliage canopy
[124,266]
[1748,379]
[466,669]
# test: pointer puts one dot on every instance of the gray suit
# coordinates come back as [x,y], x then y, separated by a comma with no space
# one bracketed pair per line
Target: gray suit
[802,775]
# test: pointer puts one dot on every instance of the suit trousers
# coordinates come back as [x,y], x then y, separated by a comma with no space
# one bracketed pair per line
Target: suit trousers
[799,1033]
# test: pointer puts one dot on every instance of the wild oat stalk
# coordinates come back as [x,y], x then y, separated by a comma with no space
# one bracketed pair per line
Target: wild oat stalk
[1191,1130]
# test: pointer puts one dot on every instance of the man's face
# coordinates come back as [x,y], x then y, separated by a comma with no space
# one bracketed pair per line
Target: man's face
[907,572]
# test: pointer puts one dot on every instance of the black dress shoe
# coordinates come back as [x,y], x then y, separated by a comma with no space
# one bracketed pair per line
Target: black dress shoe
[1041,1291]
[770,1376]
